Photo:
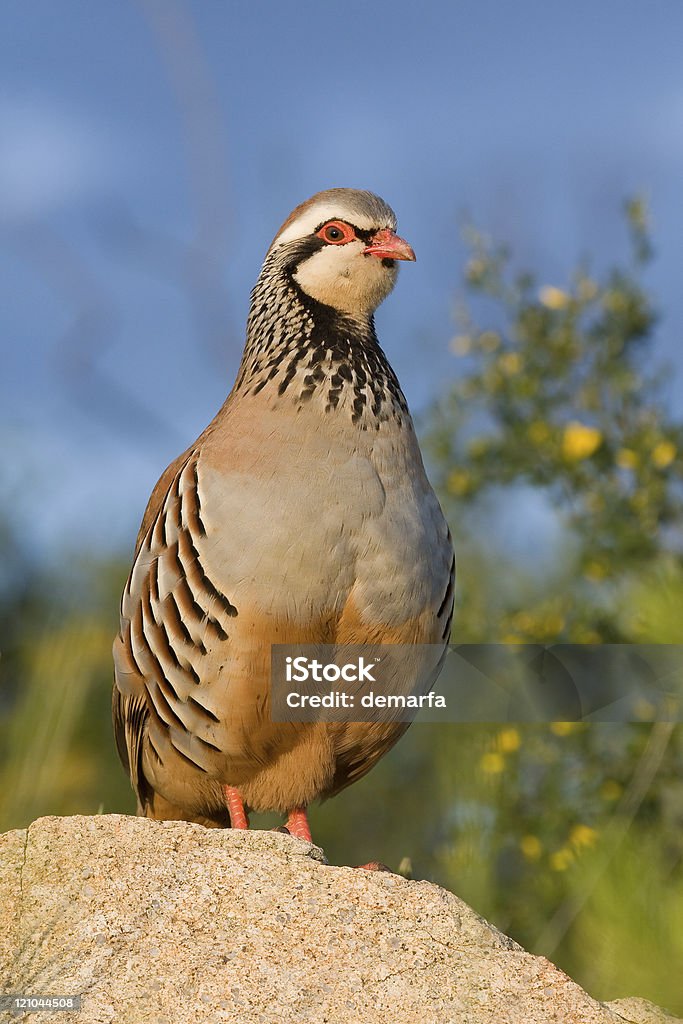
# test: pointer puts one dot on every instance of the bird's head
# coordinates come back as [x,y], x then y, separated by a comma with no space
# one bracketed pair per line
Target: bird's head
[341,248]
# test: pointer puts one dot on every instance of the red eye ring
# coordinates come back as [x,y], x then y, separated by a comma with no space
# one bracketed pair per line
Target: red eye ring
[336,232]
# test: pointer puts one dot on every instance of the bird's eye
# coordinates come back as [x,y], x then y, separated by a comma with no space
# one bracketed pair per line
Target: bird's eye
[336,232]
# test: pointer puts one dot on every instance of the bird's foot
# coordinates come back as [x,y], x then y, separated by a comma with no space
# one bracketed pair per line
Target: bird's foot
[297,824]
[373,865]
[233,801]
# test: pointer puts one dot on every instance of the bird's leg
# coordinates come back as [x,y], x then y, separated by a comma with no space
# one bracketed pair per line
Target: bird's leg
[297,824]
[233,801]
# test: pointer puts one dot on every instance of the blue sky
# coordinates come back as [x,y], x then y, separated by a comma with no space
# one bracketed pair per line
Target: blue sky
[149,150]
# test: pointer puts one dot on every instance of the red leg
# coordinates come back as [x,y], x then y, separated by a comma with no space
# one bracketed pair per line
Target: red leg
[297,824]
[233,801]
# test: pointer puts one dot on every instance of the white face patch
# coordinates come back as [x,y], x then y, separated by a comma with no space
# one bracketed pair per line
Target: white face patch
[343,277]
[319,214]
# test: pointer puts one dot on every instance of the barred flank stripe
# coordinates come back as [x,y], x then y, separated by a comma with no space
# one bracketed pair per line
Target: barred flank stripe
[171,556]
[153,748]
[186,757]
[187,606]
[128,642]
[191,671]
[162,706]
[448,601]
[449,590]
[206,743]
[149,631]
[190,503]
[170,610]
[154,581]
[190,609]
[194,571]
[156,635]
[144,659]
[195,703]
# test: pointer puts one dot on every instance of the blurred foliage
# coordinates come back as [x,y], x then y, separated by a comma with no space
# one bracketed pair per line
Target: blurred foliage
[567,836]
[56,754]
[562,397]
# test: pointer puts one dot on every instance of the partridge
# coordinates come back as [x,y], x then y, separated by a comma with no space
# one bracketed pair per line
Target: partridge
[302,514]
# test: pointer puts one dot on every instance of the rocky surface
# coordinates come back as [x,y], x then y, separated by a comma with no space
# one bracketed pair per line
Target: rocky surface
[168,922]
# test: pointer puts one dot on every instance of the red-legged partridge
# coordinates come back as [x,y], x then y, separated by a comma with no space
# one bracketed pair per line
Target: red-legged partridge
[302,514]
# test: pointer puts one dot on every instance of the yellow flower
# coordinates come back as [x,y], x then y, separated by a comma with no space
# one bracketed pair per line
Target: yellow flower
[561,859]
[553,298]
[461,344]
[510,363]
[563,728]
[582,836]
[531,847]
[627,459]
[579,441]
[458,481]
[523,621]
[551,624]
[663,454]
[509,740]
[492,763]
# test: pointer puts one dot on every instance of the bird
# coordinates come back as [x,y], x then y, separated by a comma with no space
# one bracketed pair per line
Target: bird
[301,515]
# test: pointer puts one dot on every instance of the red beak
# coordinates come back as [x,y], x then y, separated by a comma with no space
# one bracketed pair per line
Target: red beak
[387,245]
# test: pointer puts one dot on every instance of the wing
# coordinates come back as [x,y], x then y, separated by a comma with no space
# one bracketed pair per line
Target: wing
[129,700]
[172,619]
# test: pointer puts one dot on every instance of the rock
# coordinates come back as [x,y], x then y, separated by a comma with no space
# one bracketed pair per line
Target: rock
[640,1011]
[171,922]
